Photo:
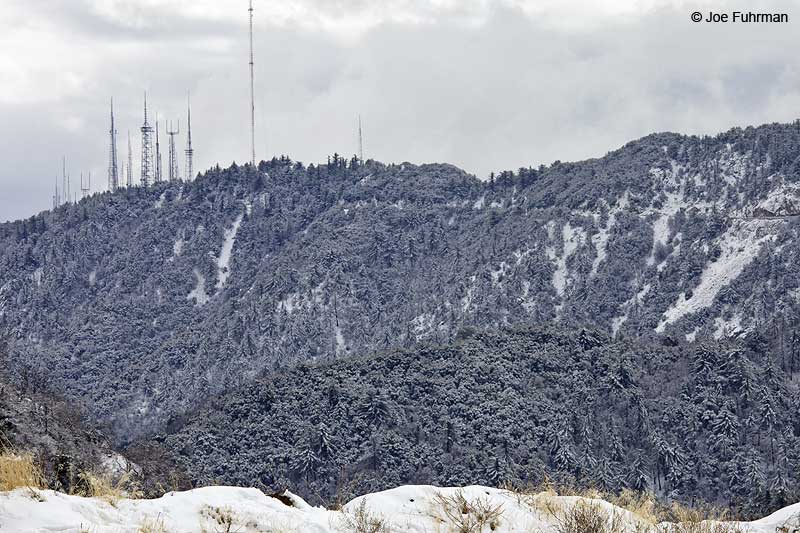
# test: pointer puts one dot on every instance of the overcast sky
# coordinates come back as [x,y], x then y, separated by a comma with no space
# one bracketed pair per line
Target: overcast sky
[483,84]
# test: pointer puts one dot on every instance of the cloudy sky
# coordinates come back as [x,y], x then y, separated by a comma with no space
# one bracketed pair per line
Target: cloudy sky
[483,84]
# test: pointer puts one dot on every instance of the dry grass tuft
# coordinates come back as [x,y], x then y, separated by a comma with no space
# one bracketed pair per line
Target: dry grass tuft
[19,471]
[466,516]
[647,514]
[90,485]
[223,520]
[361,520]
[152,525]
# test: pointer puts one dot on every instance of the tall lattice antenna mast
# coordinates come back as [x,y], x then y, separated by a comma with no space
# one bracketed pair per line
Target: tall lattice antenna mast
[173,156]
[84,187]
[147,149]
[113,167]
[189,150]
[129,180]
[56,197]
[360,141]
[64,188]
[159,173]
[252,95]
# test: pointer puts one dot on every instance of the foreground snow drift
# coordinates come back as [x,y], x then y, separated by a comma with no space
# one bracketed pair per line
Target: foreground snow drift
[404,509]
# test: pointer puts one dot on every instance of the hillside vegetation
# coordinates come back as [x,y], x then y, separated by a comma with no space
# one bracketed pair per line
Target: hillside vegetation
[144,305]
[714,422]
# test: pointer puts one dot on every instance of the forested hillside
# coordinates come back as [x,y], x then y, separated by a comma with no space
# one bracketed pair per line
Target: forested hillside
[55,434]
[713,422]
[143,302]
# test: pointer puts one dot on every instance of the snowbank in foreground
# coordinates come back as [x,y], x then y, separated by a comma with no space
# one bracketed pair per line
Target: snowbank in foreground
[404,509]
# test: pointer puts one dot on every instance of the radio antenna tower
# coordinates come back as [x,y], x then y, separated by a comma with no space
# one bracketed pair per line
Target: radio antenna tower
[113,168]
[189,150]
[252,95]
[64,189]
[129,181]
[85,189]
[360,141]
[159,174]
[147,149]
[56,197]
[173,158]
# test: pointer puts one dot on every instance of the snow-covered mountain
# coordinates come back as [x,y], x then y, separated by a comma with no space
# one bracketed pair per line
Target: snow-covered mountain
[145,304]
[412,509]
[166,295]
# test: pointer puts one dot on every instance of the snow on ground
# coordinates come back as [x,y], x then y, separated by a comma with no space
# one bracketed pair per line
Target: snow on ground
[740,245]
[673,204]
[412,509]
[782,200]
[600,239]
[289,303]
[466,300]
[160,202]
[573,237]
[728,327]
[637,298]
[177,248]
[224,259]
[199,292]
[341,344]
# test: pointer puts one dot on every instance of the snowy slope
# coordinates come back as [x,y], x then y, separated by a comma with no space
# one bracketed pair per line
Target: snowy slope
[404,509]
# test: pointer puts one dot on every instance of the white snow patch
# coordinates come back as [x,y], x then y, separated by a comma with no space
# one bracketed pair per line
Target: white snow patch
[289,303]
[177,248]
[572,237]
[199,292]
[92,277]
[37,276]
[160,202]
[676,249]
[224,259]
[422,324]
[466,301]
[661,225]
[341,344]
[728,327]
[740,246]
[617,322]
[116,465]
[782,201]
[600,239]
[499,274]
[406,509]
[479,203]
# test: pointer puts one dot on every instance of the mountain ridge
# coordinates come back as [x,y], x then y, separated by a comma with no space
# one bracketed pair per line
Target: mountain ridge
[122,292]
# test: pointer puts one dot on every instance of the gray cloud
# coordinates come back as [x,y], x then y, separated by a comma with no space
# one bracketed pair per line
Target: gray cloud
[487,85]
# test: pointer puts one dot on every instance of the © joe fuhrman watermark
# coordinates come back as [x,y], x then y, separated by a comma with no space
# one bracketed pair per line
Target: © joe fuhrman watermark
[741,16]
